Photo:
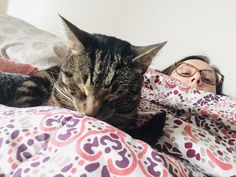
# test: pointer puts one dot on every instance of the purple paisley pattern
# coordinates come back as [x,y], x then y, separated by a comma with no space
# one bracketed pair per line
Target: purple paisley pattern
[199,138]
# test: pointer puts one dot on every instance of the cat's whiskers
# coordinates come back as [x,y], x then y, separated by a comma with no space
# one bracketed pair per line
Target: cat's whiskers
[66,96]
[121,120]
[127,91]
[135,85]
[127,116]
[53,79]
[65,100]
[63,92]
[54,72]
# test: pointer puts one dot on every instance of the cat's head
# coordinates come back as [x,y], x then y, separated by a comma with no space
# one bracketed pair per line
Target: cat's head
[103,75]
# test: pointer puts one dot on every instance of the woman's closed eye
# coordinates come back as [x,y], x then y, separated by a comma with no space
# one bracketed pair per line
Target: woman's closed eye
[186,73]
[207,80]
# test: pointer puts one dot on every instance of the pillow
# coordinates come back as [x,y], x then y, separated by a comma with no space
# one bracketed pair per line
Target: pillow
[25,43]
[10,66]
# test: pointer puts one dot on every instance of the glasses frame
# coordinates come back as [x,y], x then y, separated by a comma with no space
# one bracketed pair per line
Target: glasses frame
[176,65]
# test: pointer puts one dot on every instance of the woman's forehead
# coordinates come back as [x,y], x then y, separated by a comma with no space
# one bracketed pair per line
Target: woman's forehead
[199,64]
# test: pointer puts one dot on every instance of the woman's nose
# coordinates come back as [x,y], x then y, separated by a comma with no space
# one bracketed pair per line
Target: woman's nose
[196,79]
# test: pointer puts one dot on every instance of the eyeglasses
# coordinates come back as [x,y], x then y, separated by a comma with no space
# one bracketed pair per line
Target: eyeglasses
[210,77]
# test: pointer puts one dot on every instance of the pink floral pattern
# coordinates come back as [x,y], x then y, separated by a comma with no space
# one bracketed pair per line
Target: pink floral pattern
[199,138]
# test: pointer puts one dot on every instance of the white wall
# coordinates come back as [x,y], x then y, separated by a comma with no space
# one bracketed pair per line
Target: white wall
[205,27]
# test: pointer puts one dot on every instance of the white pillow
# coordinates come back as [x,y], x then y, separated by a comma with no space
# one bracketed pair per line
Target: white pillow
[25,43]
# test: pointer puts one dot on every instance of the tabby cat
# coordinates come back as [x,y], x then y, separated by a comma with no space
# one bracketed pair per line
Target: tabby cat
[102,77]
[9,82]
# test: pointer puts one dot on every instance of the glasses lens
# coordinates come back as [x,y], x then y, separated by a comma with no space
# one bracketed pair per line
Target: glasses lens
[185,70]
[209,77]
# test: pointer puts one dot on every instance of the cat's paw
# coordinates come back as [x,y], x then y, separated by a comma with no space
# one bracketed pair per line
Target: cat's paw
[153,129]
[150,131]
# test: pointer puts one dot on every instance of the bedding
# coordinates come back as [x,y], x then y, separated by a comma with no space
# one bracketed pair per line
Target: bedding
[199,138]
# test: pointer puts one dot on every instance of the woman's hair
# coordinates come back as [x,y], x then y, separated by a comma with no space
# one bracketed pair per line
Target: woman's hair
[219,86]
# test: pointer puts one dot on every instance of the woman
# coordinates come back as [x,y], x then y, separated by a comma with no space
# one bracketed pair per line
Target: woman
[197,72]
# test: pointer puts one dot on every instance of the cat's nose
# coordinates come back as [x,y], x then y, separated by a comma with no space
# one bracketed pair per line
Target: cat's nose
[92,107]
[91,112]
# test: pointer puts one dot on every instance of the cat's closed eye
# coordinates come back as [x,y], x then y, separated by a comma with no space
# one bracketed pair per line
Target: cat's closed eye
[73,91]
[77,91]
[67,73]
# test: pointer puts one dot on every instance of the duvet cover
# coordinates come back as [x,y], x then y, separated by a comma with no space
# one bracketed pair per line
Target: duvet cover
[199,138]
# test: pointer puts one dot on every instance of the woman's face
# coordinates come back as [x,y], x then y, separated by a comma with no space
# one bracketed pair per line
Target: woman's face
[197,74]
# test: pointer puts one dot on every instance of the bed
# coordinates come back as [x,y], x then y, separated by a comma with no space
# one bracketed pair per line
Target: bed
[199,135]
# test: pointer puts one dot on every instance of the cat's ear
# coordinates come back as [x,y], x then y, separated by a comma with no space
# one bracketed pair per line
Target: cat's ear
[145,55]
[75,37]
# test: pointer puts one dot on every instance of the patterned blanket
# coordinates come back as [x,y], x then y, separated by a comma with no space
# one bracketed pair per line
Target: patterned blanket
[199,138]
